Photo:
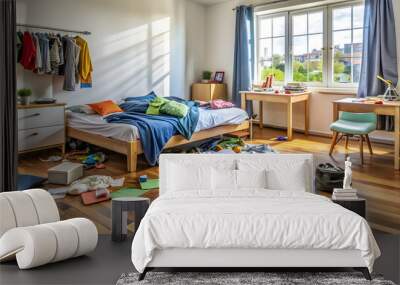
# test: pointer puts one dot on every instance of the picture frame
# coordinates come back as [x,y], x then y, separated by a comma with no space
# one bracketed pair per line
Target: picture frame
[219,76]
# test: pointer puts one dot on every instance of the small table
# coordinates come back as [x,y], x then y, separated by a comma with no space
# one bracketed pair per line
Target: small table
[357,206]
[288,99]
[391,108]
[120,208]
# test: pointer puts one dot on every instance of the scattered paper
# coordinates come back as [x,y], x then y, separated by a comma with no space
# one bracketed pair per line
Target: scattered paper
[150,184]
[117,182]
[128,192]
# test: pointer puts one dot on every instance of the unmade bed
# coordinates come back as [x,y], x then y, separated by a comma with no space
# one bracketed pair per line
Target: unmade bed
[125,139]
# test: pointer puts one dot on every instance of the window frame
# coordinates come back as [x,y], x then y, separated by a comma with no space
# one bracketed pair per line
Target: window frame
[330,42]
[324,82]
[327,49]
[258,38]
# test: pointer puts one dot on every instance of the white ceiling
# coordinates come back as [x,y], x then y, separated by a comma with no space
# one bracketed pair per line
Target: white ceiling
[209,2]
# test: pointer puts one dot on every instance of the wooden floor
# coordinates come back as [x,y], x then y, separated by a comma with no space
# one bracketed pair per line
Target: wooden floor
[376,181]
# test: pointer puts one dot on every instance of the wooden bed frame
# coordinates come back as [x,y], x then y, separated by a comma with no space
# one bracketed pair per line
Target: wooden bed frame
[133,148]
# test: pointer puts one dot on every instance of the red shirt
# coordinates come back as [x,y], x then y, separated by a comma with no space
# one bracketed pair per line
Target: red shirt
[28,52]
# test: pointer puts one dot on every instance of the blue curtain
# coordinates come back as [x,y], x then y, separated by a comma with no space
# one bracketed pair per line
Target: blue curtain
[244,54]
[379,51]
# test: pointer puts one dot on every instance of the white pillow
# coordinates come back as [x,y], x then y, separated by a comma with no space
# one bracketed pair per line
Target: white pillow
[251,178]
[85,109]
[284,174]
[188,177]
[293,177]
[223,179]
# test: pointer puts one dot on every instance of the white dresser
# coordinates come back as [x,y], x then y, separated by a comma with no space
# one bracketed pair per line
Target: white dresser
[41,126]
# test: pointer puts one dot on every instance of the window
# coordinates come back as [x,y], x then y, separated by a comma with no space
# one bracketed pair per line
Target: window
[272,47]
[307,46]
[347,35]
[293,45]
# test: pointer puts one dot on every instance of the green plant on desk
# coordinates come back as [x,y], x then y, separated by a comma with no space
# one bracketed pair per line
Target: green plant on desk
[206,75]
[24,95]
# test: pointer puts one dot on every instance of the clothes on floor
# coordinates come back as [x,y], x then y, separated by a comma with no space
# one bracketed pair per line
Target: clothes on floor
[46,53]
[92,183]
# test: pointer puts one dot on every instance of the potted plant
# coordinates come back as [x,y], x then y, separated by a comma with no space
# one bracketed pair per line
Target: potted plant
[24,95]
[206,76]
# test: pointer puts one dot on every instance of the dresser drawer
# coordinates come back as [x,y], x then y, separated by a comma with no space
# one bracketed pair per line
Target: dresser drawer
[40,117]
[40,137]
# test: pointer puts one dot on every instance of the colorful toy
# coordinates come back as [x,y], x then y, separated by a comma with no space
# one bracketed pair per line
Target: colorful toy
[281,138]
[237,149]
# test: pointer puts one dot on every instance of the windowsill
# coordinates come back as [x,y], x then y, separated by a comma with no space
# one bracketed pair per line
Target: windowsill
[334,91]
[345,91]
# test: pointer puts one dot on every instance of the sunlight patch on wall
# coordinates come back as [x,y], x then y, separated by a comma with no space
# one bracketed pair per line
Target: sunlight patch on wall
[160,56]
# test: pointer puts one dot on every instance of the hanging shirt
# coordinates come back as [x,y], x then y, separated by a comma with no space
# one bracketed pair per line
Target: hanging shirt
[71,55]
[61,67]
[54,54]
[45,51]
[85,63]
[19,37]
[28,52]
[38,59]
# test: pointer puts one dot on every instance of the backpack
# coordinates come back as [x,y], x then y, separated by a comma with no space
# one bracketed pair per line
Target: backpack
[328,177]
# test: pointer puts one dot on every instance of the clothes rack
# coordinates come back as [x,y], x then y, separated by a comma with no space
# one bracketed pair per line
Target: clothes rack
[263,4]
[54,29]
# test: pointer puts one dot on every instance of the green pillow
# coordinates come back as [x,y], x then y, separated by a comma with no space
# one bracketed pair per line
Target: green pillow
[155,105]
[175,109]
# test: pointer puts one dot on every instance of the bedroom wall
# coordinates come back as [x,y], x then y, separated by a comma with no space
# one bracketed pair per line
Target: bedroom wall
[136,46]
[220,27]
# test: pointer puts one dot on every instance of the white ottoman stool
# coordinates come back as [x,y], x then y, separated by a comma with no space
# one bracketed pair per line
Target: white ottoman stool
[31,232]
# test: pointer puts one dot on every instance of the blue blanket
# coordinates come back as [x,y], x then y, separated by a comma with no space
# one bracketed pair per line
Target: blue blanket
[155,131]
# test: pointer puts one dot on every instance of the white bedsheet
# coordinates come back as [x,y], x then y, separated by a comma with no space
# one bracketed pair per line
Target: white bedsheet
[250,219]
[97,125]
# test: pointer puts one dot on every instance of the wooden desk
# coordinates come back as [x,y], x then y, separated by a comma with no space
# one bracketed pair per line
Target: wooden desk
[288,99]
[387,108]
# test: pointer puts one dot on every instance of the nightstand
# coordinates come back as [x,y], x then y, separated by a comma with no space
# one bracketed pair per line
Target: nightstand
[209,91]
[41,126]
[120,208]
[357,206]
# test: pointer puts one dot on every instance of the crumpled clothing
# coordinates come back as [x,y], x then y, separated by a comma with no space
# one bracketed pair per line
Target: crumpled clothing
[220,104]
[92,183]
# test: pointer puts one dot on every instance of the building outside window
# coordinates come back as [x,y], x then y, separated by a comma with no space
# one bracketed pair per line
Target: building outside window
[319,46]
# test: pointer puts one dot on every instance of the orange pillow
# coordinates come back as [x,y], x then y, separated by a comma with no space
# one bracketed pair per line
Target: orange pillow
[105,107]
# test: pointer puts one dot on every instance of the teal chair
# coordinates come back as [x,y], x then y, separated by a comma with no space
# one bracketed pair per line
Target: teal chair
[353,124]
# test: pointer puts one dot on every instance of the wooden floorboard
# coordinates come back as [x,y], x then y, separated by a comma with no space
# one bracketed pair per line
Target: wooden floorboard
[376,180]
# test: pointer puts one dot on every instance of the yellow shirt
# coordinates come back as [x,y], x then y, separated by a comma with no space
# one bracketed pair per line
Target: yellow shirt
[85,63]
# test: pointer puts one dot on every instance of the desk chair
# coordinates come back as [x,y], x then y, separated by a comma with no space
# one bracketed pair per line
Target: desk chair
[353,124]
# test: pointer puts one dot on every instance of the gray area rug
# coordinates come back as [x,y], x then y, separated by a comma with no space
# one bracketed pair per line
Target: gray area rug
[243,278]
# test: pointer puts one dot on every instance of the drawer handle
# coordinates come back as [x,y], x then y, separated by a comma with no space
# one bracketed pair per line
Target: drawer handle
[30,116]
[33,134]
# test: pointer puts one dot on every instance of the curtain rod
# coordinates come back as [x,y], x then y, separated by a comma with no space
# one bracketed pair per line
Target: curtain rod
[54,29]
[263,4]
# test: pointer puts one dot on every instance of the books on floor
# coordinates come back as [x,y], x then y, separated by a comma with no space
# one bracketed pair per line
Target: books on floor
[344,194]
